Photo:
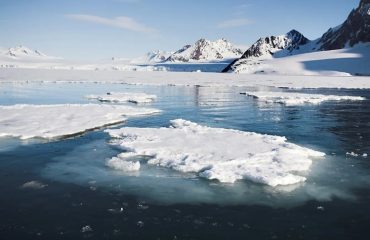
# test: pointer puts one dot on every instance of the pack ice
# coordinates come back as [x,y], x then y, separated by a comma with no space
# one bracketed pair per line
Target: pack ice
[53,121]
[293,98]
[124,97]
[213,153]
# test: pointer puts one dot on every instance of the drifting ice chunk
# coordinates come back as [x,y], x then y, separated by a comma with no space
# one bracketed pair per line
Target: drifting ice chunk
[352,154]
[34,185]
[124,97]
[216,153]
[291,98]
[120,163]
[53,121]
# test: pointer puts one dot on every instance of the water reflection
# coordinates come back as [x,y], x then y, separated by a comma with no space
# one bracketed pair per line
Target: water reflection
[333,128]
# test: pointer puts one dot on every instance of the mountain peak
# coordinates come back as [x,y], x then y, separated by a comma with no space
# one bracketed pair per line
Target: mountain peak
[20,51]
[294,32]
[268,46]
[206,50]
[354,30]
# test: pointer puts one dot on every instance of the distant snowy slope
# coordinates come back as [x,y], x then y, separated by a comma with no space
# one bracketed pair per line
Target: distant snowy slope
[341,62]
[25,57]
[152,57]
[23,52]
[205,50]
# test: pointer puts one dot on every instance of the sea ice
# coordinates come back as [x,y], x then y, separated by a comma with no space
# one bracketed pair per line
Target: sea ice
[34,185]
[86,228]
[352,154]
[119,163]
[216,153]
[292,98]
[53,121]
[124,97]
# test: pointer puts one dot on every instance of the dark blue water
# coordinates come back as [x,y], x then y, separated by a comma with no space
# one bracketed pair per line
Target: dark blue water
[193,67]
[162,204]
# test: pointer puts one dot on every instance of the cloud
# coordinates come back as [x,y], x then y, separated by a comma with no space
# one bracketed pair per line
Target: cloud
[242,10]
[118,22]
[233,23]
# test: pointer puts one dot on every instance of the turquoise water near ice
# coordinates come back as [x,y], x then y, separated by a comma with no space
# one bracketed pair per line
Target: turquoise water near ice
[82,188]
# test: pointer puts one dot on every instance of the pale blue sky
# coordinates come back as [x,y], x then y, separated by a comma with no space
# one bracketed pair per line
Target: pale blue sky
[96,29]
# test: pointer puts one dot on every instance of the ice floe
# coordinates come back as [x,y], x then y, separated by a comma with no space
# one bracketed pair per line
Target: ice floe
[86,228]
[352,154]
[34,185]
[292,98]
[119,163]
[124,97]
[53,121]
[215,153]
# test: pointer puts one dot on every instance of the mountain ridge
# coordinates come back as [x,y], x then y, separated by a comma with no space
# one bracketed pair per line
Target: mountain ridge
[354,30]
[206,50]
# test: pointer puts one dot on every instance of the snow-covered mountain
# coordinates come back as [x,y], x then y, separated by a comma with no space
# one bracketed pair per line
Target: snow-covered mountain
[25,57]
[266,47]
[22,51]
[354,30]
[340,62]
[152,57]
[269,47]
[262,55]
[204,50]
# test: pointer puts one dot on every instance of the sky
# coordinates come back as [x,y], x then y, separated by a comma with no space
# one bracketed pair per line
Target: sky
[99,29]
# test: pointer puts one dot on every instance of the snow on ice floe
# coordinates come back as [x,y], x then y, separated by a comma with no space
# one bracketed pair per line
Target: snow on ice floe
[53,121]
[126,166]
[292,98]
[124,97]
[34,185]
[214,153]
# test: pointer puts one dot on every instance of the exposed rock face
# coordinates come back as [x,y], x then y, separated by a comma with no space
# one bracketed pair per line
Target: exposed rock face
[205,50]
[157,56]
[267,47]
[354,30]
[178,55]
